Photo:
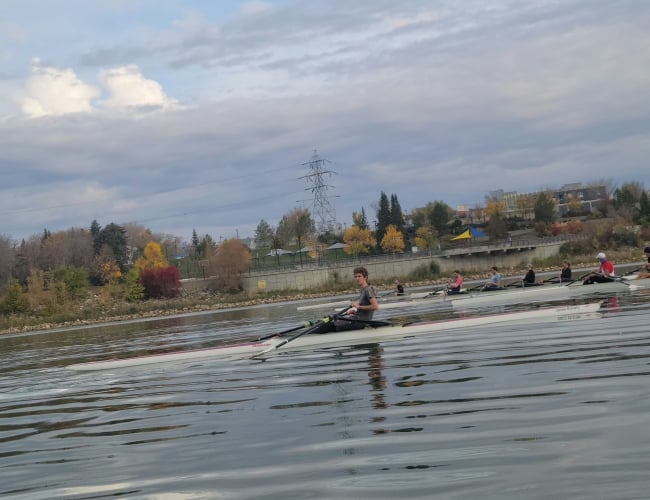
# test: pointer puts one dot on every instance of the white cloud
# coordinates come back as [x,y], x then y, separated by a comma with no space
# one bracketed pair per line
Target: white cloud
[54,91]
[128,88]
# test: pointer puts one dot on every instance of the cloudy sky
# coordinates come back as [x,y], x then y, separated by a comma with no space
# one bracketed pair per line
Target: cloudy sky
[183,114]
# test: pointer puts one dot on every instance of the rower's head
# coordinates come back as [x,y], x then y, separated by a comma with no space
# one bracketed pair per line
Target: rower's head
[360,274]
[646,250]
[601,257]
[566,263]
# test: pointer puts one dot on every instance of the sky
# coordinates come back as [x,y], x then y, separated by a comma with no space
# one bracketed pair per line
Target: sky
[189,115]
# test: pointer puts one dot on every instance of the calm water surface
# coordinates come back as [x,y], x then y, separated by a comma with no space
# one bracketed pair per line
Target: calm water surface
[500,412]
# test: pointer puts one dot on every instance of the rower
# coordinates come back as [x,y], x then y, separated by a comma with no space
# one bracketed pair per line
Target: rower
[455,285]
[604,274]
[362,309]
[565,273]
[493,282]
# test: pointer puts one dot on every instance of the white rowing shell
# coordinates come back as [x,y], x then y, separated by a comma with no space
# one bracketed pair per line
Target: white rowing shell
[351,337]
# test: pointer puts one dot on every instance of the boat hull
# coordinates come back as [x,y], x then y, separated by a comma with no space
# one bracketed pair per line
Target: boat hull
[348,338]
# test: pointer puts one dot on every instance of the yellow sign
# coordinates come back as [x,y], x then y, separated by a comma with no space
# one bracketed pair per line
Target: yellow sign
[261,284]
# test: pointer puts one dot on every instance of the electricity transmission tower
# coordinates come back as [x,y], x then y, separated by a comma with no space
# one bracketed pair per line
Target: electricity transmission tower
[323,211]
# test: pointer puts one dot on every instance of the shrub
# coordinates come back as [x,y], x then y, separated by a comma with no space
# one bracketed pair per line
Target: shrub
[14,300]
[425,272]
[133,289]
[163,282]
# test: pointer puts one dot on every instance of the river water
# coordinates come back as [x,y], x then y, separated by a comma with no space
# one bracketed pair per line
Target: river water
[553,410]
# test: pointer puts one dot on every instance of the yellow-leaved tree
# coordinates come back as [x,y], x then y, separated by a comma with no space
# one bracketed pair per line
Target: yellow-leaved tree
[152,258]
[358,240]
[393,240]
[426,238]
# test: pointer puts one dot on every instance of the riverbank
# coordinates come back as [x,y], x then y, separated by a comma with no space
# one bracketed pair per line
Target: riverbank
[201,302]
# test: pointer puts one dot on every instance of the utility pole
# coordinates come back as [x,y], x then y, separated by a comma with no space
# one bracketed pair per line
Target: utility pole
[323,211]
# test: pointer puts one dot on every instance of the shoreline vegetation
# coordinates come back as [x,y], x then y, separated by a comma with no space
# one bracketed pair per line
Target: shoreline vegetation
[97,310]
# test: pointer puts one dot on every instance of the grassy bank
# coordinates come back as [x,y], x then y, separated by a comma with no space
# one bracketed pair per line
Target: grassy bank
[98,308]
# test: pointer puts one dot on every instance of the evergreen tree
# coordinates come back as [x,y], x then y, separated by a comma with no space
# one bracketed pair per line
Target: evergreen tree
[195,243]
[396,214]
[383,217]
[263,235]
[113,236]
[95,231]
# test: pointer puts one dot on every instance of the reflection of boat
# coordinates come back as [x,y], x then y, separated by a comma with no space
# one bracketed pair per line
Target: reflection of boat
[351,337]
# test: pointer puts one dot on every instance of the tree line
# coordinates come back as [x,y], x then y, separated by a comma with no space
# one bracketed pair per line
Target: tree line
[49,270]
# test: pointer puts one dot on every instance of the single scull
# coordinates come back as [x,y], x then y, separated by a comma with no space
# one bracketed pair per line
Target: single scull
[353,337]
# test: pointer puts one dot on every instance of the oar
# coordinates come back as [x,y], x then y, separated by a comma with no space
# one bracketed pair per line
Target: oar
[435,291]
[480,285]
[307,324]
[633,271]
[516,282]
[579,278]
[325,320]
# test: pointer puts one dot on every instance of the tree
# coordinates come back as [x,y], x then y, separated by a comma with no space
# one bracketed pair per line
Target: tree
[396,214]
[644,208]
[152,257]
[439,215]
[383,216]
[263,236]
[137,237]
[105,270]
[525,203]
[195,243]
[228,265]
[300,225]
[206,246]
[495,208]
[496,226]
[426,238]
[14,300]
[358,240]
[393,241]
[95,230]
[113,237]
[626,200]
[7,256]
[74,281]
[359,219]
[544,209]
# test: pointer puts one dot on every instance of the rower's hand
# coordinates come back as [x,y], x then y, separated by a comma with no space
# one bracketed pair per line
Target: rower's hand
[352,310]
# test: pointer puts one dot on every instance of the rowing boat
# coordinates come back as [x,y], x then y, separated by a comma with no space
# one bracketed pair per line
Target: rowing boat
[547,292]
[511,296]
[350,337]
[405,299]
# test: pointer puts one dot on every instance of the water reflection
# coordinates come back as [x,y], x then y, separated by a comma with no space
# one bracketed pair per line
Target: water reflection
[482,412]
